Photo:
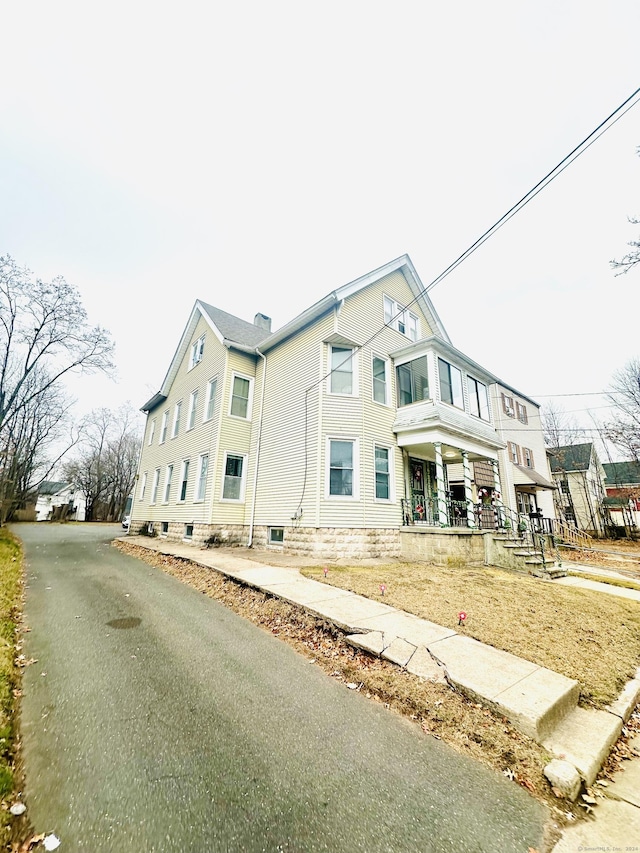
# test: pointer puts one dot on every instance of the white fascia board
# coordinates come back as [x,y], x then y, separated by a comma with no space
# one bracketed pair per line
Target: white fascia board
[446,349]
[196,312]
[300,322]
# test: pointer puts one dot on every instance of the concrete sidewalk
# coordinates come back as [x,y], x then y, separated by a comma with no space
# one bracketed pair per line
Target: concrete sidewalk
[539,702]
[598,586]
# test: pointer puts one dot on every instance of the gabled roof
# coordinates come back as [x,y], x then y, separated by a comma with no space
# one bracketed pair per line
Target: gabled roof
[622,473]
[571,457]
[248,337]
[52,487]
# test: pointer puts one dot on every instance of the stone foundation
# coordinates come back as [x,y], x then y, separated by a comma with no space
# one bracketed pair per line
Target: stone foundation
[333,542]
[446,547]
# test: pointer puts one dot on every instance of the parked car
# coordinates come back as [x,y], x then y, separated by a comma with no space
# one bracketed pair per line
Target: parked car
[126,521]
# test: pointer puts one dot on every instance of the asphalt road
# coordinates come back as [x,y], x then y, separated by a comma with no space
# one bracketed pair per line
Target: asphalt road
[156,720]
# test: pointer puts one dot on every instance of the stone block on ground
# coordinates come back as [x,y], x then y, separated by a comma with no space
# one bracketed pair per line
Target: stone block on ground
[563,776]
[584,738]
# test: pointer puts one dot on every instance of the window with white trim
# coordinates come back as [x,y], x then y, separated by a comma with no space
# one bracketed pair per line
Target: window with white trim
[193,402]
[143,485]
[276,535]
[167,483]
[197,351]
[412,381]
[521,413]
[176,419]
[398,317]
[450,384]
[528,457]
[234,473]
[209,407]
[240,406]
[380,370]
[341,380]
[184,480]
[152,430]
[478,398]
[163,428]
[342,472]
[382,473]
[507,405]
[154,488]
[514,453]
[203,469]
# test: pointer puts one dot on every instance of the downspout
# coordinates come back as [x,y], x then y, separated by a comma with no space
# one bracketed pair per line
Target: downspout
[258,441]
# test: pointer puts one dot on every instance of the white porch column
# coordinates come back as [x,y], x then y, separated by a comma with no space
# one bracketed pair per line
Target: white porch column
[471,519]
[442,500]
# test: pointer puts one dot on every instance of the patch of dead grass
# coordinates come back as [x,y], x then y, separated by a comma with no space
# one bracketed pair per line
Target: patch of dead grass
[589,636]
[441,712]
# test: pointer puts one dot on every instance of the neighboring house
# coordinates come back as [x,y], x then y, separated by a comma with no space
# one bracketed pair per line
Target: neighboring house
[623,494]
[580,477]
[59,500]
[352,422]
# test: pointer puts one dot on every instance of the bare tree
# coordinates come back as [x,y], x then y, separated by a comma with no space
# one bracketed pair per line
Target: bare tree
[558,428]
[632,258]
[44,335]
[105,466]
[624,396]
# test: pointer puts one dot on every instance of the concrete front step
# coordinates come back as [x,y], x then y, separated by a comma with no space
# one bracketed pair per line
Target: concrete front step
[584,738]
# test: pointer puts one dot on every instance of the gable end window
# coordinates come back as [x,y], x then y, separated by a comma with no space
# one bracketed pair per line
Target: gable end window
[398,317]
[197,351]
[240,397]
[450,384]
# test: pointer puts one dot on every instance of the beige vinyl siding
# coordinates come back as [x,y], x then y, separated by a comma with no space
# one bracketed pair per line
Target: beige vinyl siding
[235,438]
[188,444]
[286,470]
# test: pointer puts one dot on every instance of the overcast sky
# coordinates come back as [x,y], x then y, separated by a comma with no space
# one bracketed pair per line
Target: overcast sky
[258,155]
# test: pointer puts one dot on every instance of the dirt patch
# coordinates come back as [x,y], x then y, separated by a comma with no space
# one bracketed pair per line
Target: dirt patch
[440,711]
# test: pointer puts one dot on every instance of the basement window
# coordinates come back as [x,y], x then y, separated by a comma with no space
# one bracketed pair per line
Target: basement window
[188,531]
[276,535]
[164,528]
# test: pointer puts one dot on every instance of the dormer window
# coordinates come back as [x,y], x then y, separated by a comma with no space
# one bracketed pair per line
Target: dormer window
[398,317]
[197,351]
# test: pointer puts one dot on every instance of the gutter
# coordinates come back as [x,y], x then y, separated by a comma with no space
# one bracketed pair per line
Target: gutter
[258,442]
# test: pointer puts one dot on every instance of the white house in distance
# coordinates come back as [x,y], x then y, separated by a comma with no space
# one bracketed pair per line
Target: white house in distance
[354,423]
[58,500]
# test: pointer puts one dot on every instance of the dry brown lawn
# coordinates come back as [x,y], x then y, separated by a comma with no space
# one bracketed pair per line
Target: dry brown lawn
[589,636]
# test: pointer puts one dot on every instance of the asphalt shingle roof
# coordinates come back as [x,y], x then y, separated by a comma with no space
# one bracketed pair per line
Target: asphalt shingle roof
[234,329]
[622,473]
[571,457]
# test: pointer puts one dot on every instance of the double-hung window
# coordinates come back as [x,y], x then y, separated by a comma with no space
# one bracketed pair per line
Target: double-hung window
[450,384]
[380,381]
[341,381]
[507,405]
[197,351]
[234,470]
[478,398]
[521,412]
[240,397]
[412,381]
[176,419]
[201,485]
[401,319]
[154,488]
[528,457]
[143,485]
[167,484]
[383,475]
[193,402]
[163,428]
[184,480]
[152,430]
[211,399]
[342,471]
[514,453]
